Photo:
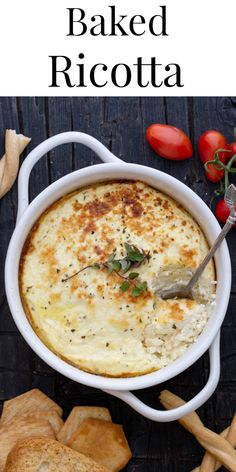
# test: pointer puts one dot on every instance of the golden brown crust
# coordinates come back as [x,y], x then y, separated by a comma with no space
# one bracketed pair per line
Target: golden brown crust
[103,441]
[29,454]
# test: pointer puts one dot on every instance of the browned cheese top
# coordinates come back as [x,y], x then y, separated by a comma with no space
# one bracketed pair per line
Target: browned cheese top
[87,319]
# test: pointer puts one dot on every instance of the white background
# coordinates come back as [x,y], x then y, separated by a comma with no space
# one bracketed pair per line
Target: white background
[201,39]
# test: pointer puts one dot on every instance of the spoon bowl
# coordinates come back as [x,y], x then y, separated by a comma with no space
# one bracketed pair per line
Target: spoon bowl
[179,289]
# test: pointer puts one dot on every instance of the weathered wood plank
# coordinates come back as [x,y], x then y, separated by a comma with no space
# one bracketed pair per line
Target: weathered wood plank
[151,111]
[33,122]
[14,354]
[13,383]
[120,123]
[7,324]
[88,117]
[59,119]
[177,114]
[123,134]
[8,119]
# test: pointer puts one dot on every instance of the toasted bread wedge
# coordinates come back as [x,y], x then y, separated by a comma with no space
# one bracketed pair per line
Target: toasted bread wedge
[77,415]
[103,441]
[49,415]
[47,455]
[21,428]
[28,402]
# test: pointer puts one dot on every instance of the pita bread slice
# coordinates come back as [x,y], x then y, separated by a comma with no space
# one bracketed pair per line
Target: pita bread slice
[77,415]
[104,442]
[29,402]
[9,163]
[49,415]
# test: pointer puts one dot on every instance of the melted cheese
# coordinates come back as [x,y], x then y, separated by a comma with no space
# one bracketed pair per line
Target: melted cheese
[88,320]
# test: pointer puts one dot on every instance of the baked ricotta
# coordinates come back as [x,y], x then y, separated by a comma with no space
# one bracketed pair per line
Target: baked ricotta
[87,319]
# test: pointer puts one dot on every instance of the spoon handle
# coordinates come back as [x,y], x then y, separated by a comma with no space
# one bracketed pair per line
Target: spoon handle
[228,225]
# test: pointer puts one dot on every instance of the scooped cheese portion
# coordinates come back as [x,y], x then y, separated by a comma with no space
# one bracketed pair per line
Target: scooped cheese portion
[87,319]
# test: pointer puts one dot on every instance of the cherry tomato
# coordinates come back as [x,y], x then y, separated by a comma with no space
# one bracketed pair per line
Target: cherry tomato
[222,212]
[208,144]
[232,148]
[169,142]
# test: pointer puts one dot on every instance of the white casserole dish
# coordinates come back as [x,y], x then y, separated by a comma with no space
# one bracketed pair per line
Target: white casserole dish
[113,169]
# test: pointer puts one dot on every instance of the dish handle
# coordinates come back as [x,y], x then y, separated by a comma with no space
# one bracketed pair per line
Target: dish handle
[46,146]
[188,407]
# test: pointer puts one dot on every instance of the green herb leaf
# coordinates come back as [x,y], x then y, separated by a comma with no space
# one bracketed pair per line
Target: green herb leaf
[112,256]
[116,266]
[135,257]
[143,285]
[133,275]
[136,292]
[128,248]
[139,288]
[113,266]
[125,286]
[125,265]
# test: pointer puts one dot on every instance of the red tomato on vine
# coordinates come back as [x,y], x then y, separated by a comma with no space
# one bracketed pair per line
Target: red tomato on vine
[210,142]
[222,212]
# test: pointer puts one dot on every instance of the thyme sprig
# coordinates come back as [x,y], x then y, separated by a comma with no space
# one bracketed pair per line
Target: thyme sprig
[134,258]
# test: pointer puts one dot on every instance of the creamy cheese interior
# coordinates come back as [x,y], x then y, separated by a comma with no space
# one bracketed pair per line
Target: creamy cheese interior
[88,320]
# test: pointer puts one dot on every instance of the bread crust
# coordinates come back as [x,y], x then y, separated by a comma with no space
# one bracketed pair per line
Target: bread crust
[43,454]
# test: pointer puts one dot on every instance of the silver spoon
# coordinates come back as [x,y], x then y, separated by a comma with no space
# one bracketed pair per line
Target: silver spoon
[185,291]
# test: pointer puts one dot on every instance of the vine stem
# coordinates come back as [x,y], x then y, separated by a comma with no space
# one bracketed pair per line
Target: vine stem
[226,179]
[228,170]
[103,265]
[76,273]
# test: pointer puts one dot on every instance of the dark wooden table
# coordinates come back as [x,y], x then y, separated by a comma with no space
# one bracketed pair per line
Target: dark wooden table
[120,124]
